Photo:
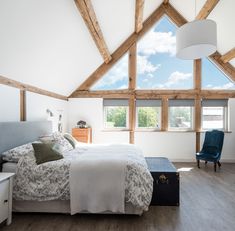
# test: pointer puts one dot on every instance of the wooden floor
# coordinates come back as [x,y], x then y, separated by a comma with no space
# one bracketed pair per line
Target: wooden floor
[207,203]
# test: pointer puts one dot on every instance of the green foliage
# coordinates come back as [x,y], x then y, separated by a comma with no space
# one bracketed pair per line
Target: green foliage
[116,117]
[180,116]
[148,117]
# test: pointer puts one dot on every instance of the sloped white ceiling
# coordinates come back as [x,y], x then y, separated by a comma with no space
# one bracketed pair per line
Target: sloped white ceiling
[46,43]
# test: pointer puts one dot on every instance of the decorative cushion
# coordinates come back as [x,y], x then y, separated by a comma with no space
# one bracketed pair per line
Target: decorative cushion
[71,139]
[13,155]
[45,153]
[59,139]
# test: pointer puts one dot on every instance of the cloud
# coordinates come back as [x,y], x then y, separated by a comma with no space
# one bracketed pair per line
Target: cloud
[157,42]
[174,79]
[124,86]
[144,66]
[117,73]
[225,86]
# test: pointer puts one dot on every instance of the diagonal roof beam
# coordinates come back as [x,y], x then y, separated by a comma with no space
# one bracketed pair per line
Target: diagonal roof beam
[87,11]
[228,56]
[165,1]
[120,51]
[27,87]
[206,9]
[139,10]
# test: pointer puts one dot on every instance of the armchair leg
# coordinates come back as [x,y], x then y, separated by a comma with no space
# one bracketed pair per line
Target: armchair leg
[198,163]
[205,162]
[219,164]
[215,166]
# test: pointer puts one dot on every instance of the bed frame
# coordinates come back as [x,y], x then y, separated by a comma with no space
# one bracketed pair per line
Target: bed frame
[13,134]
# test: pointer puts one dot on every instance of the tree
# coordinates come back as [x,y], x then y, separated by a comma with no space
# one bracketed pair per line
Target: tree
[148,117]
[116,116]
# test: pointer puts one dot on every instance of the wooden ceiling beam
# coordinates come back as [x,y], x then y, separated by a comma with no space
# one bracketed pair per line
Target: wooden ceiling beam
[165,1]
[227,68]
[120,51]
[174,15]
[139,10]
[103,94]
[87,12]
[206,9]
[228,56]
[27,87]
[157,94]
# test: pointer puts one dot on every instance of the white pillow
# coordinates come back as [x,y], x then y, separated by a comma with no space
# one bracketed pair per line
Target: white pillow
[14,154]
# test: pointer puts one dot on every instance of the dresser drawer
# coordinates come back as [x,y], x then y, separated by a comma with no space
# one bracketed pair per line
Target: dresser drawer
[4,191]
[80,132]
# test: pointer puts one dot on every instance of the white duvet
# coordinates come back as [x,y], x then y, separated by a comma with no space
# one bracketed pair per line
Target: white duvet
[50,181]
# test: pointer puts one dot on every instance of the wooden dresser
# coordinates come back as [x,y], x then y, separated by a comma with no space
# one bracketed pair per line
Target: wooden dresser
[82,134]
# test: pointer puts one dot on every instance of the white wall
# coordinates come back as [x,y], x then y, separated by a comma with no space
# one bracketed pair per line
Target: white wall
[91,110]
[9,104]
[177,146]
[37,105]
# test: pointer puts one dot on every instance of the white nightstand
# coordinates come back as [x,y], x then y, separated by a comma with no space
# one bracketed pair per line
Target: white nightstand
[6,180]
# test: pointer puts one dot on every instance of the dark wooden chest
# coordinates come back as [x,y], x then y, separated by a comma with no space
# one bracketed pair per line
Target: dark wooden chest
[166,186]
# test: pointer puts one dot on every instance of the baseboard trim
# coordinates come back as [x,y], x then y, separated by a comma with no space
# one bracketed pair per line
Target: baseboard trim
[193,160]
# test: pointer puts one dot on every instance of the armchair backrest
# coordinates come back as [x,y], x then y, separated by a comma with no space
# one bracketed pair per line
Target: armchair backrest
[213,142]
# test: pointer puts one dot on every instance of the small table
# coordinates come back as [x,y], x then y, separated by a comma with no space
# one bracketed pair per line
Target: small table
[6,182]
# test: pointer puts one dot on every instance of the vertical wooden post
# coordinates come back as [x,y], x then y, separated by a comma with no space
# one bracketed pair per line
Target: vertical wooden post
[132,86]
[22,105]
[132,67]
[164,120]
[197,70]
[132,116]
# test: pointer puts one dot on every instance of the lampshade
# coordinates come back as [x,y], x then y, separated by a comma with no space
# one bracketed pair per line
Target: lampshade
[196,39]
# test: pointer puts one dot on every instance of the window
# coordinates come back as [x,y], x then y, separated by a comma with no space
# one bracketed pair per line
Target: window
[214,78]
[214,114]
[181,114]
[157,65]
[148,113]
[115,113]
[116,77]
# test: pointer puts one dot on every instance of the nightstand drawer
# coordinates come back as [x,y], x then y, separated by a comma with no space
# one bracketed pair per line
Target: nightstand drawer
[4,200]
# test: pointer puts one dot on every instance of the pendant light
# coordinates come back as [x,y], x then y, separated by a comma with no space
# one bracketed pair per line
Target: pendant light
[196,39]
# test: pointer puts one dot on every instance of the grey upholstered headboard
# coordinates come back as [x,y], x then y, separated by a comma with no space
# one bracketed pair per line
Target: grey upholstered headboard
[13,134]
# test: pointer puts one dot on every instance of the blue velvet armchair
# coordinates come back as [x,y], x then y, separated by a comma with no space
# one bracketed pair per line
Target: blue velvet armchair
[212,148]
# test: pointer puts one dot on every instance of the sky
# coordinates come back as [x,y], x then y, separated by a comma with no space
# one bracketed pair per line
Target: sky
[158,67]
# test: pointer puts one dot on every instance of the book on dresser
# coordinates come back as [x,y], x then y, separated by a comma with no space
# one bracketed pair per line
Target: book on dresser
[82,134]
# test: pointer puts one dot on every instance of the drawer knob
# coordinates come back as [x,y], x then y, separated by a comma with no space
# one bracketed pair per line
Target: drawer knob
[5,201]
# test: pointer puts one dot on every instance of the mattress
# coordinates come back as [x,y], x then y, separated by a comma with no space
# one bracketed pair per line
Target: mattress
[9,167]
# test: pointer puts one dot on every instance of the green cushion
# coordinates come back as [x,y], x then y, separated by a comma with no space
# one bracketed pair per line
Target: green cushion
[45,153]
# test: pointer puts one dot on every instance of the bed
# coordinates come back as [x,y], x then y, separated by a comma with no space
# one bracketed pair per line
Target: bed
[138,181]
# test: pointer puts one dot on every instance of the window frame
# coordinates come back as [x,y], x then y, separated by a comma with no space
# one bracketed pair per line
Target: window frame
[105,108]
[192,112]
[225,117]
[145,103]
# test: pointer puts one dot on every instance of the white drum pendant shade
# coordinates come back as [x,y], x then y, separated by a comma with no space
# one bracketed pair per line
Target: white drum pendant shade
[196,39]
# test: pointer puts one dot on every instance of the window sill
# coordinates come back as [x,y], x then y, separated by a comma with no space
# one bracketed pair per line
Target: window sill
[115,130]
[147,130]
